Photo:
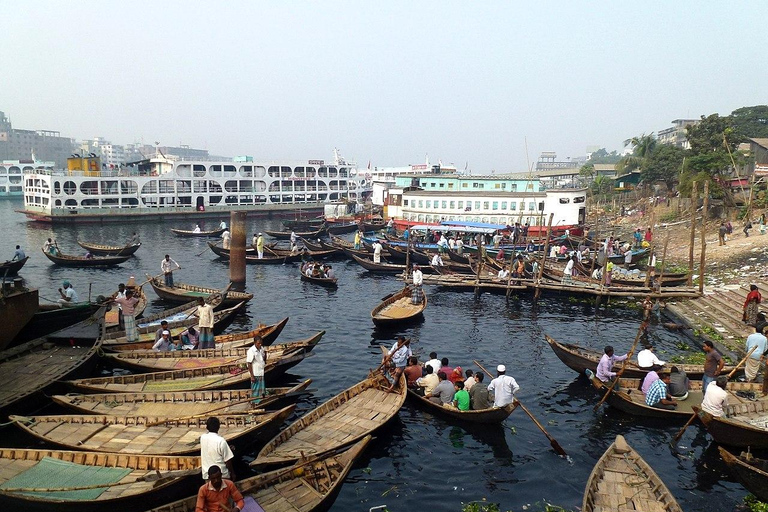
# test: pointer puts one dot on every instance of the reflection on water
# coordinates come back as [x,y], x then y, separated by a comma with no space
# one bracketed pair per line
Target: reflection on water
[421,459]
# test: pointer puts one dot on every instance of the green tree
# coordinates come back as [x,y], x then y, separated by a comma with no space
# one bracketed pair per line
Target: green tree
[602,185]
[642,148]
[751,121]
[664,164]
[714,141]
[601,156]
[587,173]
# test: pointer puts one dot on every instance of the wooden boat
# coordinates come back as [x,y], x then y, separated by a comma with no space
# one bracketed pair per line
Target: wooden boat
[154,361]
[112,318]
[341,228]
[19,305]
[398,309]
[579,359]
[51,318]
[745,425]
[268,333]
[750,471]
[306,253]
[339,242]
[66,480]
[181,292]
[110,250]
[623,481]
[378,268]
[176,403]
[320,281]
[11,268]
[400,255]
[224,253]
[286,235]
[145,435]
[28,369]
[303,224]
[637,255]
[374,226]
[310,486]
[317,246]
[200,234]
[626,396]
[81,261]
[174,316]
[344,419]
[458,258]
[216,377]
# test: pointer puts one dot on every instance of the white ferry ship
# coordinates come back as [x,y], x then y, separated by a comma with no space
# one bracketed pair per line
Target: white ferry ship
[12,172]
[159,186]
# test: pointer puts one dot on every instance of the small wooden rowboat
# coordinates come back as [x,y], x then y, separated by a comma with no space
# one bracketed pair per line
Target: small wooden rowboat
[320,281]
[110,250]
[217,377]
[200,234]
[81,261]
[50,318]
[154,361]
[177,403]
[340,229]
[378,268]
[745,425]
[623,481]
[145,435]
[579,359]
[286,235]
[11,268]
[310,486]
[268,333]
[750,471]
[398,309]
[68,480]
[626,396]
[176,317]
[224,253]
[342,420]
[29,368]
[181,292]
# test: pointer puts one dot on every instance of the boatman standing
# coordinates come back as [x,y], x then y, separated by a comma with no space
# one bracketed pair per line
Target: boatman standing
[293,238]
[167,266]
[377,252]
[226,238]
[260,246]
[214,451]
[205,323]
[223,225]
[256,358]
[418,280]
[127,304]
[605,366]
[503,387]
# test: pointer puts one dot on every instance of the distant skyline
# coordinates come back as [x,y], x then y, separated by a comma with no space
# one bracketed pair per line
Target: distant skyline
[385,82]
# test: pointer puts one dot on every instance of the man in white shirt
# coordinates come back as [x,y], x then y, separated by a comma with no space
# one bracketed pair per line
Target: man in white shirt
[503,387]
[418,280]
[470,380]
[197,229]
[459,246]
[503,275]
[164,343]
[437,261]
[167,267]
[716,397]
[429,381]
[759,341]
[68,295]
[377,251]
[205,321]
[293,238]
[647,360]
[452,243]
[226,239]
[256,358]
[568,271]
[223,225]
[214,450]
[434,362]
[398,355]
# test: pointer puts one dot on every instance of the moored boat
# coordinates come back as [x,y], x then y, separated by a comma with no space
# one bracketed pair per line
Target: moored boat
[224,253]
[745,425]
[341,228]
[622,480]
[182,292]
[19,305]
[146,435]
[579,359]
[286,235]
[399,309]
[378,268]
[11,268]
[199,234]
[751,471]
[177,403]
[46,480]
[110,250]
[52,317]
[310,486]
[81,261]
[344,419]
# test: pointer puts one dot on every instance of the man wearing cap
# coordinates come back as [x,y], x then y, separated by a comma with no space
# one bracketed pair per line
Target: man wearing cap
[647,360]
[260,246]
[503,387]
[163,327]
[164,343]
[68,295]
[418,279]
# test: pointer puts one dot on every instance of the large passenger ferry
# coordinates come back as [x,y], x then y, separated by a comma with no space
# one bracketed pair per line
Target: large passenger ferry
[12,173]
[164,187]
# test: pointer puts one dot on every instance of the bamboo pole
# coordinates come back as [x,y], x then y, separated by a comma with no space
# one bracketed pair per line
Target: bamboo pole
[694,203]
[543,257]
[703,237]
[663,262]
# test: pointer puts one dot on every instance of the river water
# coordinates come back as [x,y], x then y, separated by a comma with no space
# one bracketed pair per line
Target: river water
[421,460]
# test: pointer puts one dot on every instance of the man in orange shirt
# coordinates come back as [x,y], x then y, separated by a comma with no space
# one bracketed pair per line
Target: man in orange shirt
[216,493]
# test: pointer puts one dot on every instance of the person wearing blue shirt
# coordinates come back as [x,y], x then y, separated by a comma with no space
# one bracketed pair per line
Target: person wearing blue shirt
[658,396]
[19,254]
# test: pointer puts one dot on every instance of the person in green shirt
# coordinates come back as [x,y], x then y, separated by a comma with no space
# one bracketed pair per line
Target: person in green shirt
[461,397]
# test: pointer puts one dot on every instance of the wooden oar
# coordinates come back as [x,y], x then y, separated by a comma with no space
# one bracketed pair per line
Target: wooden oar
[693,416]
[640,331]
[555,445]
[206,413]
[207,247]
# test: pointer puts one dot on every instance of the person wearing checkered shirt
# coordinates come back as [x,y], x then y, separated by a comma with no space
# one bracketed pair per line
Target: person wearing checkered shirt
[658,395]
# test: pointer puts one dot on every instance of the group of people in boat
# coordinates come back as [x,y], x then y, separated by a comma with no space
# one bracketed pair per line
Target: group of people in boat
[318,270]
[190,338]
[449,386]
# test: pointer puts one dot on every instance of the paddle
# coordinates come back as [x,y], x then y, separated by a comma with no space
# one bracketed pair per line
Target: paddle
[693,417]
[555,445]
[207,247]
[640,331]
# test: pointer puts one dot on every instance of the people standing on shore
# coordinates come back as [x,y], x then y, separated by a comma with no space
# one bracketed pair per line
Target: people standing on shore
[648,237]
[752,305]
[721,233]
[68,295]
[205,324]
[167,267]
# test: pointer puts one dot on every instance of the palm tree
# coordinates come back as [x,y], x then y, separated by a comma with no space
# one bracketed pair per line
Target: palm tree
[642,148]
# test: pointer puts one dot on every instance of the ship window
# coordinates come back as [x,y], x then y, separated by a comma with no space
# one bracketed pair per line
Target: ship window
[298,172]
[70,202]
[421,203]
[230,186]
[112,201]
[89,187]
[89,203]
[246,186]
[109,187]
[149,187]
[332,172]
[464,185]
[453,205]
[214,187]
[166,187]
[184,171]
[445,204]
[285,172]
[405,202]
[215,170]
[57,202]
[429,204]
[229,170]
[246,171]
[579,199]
[311,172]
[541,206]
[477,205]
[57,188]
[200,186]
[461,205]
[442,185]
[199,171]
[495,205]
[274,172]
[183,186]
[259,171]
[231,200]
[130,201]
[485,205]
[531,206]
[564,200]
[214,200]
[128,187]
